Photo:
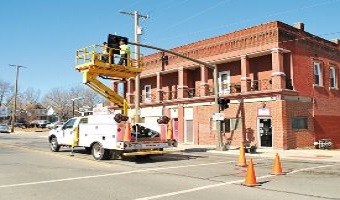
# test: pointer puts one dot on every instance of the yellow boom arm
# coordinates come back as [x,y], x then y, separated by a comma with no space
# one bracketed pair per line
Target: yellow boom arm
[90,64]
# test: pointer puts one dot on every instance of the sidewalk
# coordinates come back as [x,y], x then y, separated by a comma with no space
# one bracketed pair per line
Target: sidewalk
[297,154]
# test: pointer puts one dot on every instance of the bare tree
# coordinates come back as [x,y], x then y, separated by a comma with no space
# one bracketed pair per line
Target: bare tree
[59,100]
[90,97]
[6,92]
[29,96]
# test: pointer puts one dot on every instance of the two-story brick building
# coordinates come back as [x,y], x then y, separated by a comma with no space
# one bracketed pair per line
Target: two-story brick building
[283,83]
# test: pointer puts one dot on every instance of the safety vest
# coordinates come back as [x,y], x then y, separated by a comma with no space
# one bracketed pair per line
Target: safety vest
[124,49]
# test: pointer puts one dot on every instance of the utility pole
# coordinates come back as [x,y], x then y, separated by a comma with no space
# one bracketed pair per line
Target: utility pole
[137,32]
[73,100]
[219,145]
[17,68]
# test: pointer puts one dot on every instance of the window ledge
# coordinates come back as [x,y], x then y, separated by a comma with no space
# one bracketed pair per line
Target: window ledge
[333,88]
[300,130]
[316,85]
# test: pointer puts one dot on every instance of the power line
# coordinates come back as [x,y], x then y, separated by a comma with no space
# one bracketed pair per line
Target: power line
[192,16]
[158,7]
[250,19]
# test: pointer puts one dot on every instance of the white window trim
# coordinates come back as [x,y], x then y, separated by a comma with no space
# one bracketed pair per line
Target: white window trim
[320,74]
[221,91]
[147,99]
[333,71]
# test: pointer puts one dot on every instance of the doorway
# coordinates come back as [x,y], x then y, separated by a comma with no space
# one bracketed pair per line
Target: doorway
[175,128]
[265,132]
[188,132]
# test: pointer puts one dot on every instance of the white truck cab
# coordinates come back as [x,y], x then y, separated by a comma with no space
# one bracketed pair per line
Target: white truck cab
[103,135]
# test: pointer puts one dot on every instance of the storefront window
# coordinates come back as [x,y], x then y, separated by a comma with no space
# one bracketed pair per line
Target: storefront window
[299,123]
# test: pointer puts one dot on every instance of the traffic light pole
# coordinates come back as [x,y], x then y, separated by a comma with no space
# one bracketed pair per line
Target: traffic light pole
[136,16]
[220,145]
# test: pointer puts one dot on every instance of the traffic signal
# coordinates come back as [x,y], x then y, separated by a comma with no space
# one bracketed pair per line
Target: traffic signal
[224,103]
[119,118]
[113,42]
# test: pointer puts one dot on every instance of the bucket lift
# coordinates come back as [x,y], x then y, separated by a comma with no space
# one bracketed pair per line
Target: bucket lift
[89,61]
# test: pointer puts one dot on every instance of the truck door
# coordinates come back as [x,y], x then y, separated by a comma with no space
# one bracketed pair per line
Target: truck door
[67,132]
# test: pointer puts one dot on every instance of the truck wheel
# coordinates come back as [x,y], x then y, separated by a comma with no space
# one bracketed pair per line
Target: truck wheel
[99,153]
[55,147]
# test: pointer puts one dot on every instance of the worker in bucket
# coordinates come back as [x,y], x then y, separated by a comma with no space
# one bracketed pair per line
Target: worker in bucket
[124,51]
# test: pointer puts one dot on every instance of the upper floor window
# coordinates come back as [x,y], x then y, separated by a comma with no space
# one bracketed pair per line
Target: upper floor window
[333,77]
[224,82]
[147,93]
[317,74]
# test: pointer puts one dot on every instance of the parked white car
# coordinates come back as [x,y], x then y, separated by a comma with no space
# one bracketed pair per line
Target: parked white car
[4,128]
[54,125]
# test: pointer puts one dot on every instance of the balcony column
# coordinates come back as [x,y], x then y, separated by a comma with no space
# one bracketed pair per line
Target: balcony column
[204,86]
[245,79]
[130,90]
[182,83]
[278,75]
[159,87]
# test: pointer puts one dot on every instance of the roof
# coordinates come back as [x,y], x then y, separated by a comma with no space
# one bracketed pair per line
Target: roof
[34,106]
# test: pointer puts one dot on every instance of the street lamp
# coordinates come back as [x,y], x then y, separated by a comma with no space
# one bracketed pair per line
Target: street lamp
[75,99]
[17,67]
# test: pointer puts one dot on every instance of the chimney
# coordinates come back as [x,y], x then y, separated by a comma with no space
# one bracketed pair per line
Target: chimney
[299,25]
[336,40]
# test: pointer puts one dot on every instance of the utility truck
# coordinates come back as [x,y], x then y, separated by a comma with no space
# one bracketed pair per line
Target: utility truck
[111,135]
[106,136]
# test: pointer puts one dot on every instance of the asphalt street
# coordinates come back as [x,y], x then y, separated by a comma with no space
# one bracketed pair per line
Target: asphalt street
[28,170]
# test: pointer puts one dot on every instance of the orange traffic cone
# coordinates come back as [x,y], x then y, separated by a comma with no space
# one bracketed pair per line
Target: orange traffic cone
[277,168]
[251,176]
[170,134]
[127,134]
[242,158]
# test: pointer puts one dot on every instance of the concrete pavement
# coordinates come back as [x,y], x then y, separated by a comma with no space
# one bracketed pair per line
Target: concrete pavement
[28,170]
[299,154]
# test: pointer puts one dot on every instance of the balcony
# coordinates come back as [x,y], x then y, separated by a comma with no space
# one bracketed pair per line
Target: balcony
[191,92]
[261,85]
[169,95]
[200,94]
[146,98]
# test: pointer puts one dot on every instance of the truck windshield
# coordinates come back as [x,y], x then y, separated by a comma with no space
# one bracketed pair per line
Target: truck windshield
[69,124]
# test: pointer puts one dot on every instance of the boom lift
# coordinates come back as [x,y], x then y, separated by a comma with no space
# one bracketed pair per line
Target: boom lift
[90,63]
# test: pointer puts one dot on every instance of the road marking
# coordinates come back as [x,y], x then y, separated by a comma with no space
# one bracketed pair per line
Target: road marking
[56,155]
[310,168]
[226,183]
[111,174]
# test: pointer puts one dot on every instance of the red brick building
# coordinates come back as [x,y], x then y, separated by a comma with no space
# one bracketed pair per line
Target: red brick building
[283,84]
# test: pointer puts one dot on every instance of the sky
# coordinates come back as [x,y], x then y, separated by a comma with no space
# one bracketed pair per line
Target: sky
[43,35]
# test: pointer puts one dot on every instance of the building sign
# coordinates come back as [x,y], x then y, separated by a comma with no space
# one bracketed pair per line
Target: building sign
[3,111]
[218,117]
[263,112]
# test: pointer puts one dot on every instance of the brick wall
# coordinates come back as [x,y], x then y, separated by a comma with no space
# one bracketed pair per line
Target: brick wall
[247,114]
[327,127]
[298,138]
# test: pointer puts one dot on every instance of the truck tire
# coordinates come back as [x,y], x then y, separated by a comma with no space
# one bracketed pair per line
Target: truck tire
[99,153]
[54,146]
